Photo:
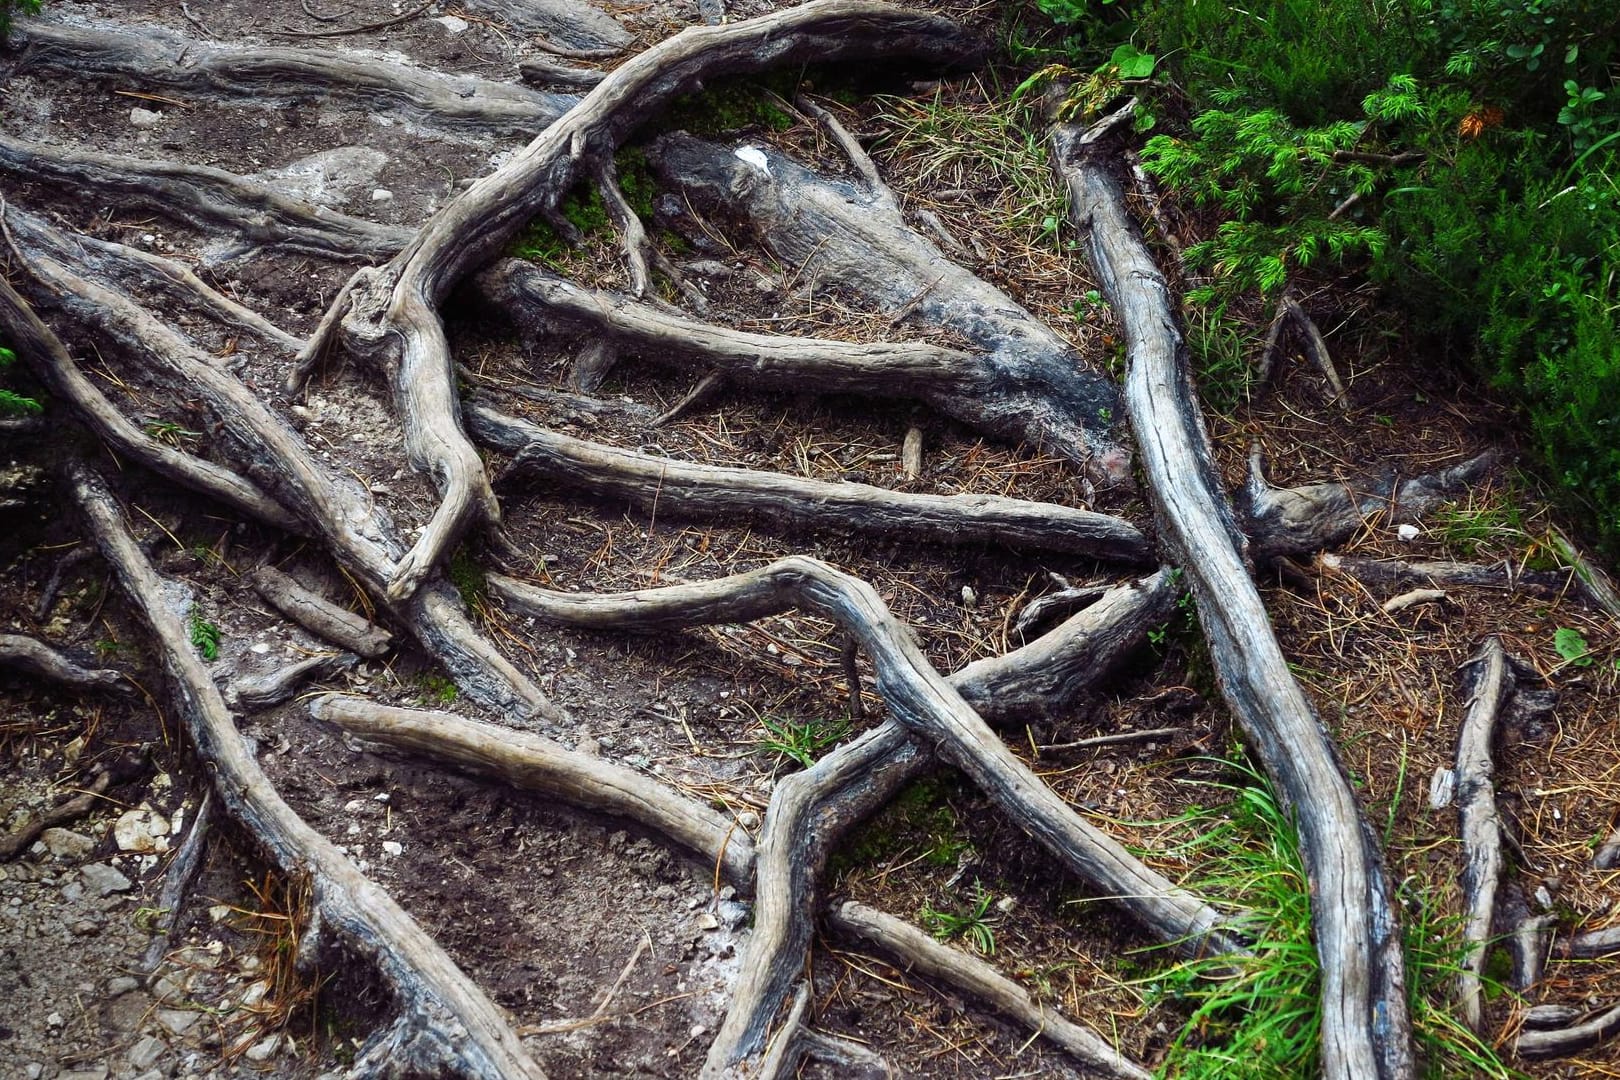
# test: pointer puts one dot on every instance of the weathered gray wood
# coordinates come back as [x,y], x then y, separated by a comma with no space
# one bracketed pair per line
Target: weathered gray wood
[330,505]
[446,1023]
[1022,381]
[319,615]
[1562,1042]
[536,763]
[1593,944]
[916,951]
[1491,679]
[919,698]
[256,692]
[201,194]
[22,653]
[50,362]
[1291,521]
[392,314]
[1366,1027]
[266,75]
[570,24]
[1405,573]
[706,492]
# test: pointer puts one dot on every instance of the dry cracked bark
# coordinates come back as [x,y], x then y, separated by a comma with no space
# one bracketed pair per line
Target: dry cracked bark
[1015,378]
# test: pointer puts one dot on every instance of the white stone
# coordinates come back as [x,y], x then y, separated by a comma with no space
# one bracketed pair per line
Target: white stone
[381,195]
[259,647]
[142,831]
[1408,533]
[754,156]
[176,1021]
[144,118]
[393,847]
[145,1053]
[451,23]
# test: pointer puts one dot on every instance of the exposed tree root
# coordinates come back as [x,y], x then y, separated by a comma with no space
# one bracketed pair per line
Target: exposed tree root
[274,687]
[45,354]
[1562,1042]
[1593,944]
[535,763]
[1023,382]
[177,879]
[319,615]
[706,492]
[1481,827]
[268,75]
[445,1024]
[1291,521]
[1399,573]
[919,698]
[1532,944]
[917,951]
[331,507]
[1366,1028]
[15,843]
[41,661]
[199,194]
[896,370]
[393,314]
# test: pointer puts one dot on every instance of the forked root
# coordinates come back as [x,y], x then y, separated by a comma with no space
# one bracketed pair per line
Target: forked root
[446,1024]
[25,654]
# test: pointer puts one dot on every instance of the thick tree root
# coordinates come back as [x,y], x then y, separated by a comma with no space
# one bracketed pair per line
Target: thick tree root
[1593,944]
[1292,521]
[446,1023]
[329,506]
[1540,1045]
[45,354]
[319,615]
[706,492]
[892,370]
[197,194]
[1366,1028]
[916,951]
[535,763]
[919,698]
[43,662]
[1481,827]
[393,314]
[269,75]
[1023,381]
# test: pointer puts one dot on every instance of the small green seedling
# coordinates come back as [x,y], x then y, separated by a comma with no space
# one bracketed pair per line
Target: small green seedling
[204,637]
[1571,645]
[804,742]
[973,926]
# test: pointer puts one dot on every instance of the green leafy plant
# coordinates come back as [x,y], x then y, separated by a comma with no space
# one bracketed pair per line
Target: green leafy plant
[204,637]
[973,924]
[437,689]
[167,431]
[11,8]
[11,402]
[1572,647]
[801,742]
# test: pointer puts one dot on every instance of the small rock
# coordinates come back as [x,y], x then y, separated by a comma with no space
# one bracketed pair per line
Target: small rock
[1442,788]
[261,1050]
[94,1072]
[259,647]
[126,1012]
[144,118]
[177,1021]
[86,928]
[748,819]
[393,847]
[970,599]
[255,993]
[1408,533]
[1544,898]
[141,830]
[104,880]
[67,844]
[72,891]
[382,195]
[707,921]
[145,1053]
[54,1020]
[452,24]
[121,984]
[33,1070]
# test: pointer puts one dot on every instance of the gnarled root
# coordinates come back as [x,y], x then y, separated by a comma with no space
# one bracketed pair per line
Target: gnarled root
[1366,1028]
[1481,827]
[446,1023]
[319,615]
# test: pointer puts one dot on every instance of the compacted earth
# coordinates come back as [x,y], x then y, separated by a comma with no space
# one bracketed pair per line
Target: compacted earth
[612,950]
